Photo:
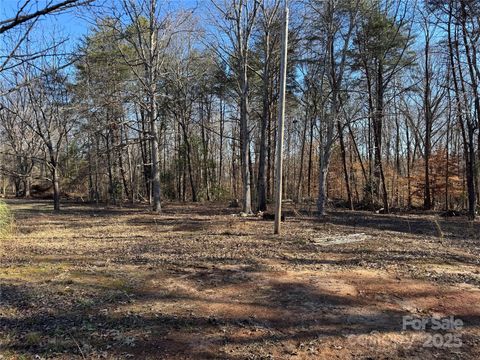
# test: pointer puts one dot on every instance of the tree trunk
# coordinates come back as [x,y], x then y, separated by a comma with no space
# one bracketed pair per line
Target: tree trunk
[377,131]
[188,150]
[245,143]
[326,152]
[220,161]
[56,187]
[310,159]
[155,154]
[409,181]
[111,181]
[427,202]
[468,145]
[302,158]
[322,190]
[344,163]
[152,105]
[262,165]
[27,184]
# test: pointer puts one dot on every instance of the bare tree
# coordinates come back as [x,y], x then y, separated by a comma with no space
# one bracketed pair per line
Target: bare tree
[269,39]
[29,10]
[336,22]
[236,20]
[52,118]
[148,29]
[27,15]
[22,144]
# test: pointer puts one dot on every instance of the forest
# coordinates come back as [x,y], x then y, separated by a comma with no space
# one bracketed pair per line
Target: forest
[166,103]
[145,144]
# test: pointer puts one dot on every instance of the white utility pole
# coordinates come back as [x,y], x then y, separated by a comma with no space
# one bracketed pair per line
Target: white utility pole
[280,129]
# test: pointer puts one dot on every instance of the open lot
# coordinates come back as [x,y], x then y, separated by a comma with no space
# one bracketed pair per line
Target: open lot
[196,282]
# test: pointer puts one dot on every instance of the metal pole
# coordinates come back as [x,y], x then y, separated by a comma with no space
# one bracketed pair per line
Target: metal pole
[280,129]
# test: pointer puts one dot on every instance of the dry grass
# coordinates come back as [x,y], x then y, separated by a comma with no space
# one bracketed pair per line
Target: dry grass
[6,220]
[197,282]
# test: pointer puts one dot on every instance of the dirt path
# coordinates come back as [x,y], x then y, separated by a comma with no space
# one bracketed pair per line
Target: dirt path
[196,282]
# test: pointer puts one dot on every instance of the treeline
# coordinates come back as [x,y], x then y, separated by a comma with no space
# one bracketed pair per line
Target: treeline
[165,102]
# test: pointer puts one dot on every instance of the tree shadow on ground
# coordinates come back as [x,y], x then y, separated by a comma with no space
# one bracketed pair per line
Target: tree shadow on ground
[214,296]
[459,228]
[283,311]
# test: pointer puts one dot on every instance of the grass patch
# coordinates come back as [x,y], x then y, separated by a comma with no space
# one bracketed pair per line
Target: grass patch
[33,338]
[6,220]
[34,273]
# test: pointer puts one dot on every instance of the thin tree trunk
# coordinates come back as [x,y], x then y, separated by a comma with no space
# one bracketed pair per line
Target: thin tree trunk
[302,157]
[56,187]
[344,163]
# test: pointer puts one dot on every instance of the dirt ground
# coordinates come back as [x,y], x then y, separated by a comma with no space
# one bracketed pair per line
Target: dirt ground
[196,282]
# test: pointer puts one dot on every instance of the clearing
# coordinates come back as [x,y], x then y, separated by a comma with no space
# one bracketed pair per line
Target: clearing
[196,282]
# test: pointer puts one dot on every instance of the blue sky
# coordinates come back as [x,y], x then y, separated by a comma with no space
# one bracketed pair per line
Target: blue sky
[69,21]
[74,24]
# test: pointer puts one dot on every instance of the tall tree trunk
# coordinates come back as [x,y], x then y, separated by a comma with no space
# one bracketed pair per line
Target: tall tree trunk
[245,142]
[221,136]
[123,174]
[152,105]
[468,145]
[262,165]
[325,156]
[111,181]
[155,154]
[270,146]
[146,161]
[131,169]
[302,158]
[409,161]
[377,131]
[427,202]
[310,159]
[344,163]
[205,146]
[447,153]
[188,152]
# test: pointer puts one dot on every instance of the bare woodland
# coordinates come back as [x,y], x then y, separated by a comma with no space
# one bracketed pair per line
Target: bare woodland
[137,161]
[159,103]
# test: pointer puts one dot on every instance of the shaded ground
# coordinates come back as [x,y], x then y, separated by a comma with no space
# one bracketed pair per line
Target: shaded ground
[196,283]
